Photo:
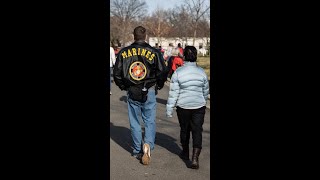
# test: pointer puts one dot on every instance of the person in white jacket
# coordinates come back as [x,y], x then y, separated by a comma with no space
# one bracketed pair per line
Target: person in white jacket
[112,62]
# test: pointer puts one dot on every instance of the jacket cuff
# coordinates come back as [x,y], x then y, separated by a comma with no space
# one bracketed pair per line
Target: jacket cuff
[160,84]
[123,88]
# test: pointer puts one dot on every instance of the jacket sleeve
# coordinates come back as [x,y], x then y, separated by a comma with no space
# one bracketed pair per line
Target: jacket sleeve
[206,88]
[161,71]
[112,56]
[173,94]
[118,73]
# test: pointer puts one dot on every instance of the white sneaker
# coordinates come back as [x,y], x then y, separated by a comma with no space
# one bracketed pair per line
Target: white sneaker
[146,154]
[110,93]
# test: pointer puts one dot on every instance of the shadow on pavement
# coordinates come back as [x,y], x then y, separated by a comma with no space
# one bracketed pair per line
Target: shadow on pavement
[162,101]
[122,136]
[170,144]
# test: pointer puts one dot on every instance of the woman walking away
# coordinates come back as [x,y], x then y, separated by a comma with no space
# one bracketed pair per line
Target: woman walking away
[189,90]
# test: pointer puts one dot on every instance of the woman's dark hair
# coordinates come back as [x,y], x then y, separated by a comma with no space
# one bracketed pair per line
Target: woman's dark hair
[190,53]
[139,33]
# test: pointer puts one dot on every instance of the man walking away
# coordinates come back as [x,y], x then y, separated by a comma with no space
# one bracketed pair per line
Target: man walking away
[140,70]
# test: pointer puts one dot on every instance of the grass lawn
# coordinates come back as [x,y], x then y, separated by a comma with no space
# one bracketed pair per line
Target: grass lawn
[204,62]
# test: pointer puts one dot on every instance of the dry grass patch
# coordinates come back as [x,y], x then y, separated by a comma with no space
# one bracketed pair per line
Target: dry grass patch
[204,62]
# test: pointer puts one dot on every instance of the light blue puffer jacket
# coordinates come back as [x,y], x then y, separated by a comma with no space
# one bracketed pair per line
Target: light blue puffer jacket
[189,88]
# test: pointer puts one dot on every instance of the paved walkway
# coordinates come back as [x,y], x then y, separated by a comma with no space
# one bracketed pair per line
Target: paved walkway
[165,163]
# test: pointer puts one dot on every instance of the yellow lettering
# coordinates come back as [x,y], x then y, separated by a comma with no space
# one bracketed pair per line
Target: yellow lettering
[152,56]
[124,54]
[129,53]
[139,51]
[148,53]
[143,53]
[134,52]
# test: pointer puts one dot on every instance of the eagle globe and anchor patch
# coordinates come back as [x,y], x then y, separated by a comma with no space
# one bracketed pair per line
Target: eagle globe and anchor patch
[138,71]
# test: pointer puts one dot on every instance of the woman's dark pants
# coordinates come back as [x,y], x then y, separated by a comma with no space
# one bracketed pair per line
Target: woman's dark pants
[191,120]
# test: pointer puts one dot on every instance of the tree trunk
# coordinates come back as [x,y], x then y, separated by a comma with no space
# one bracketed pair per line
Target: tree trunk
[159,31]
[195,33]
[194,36]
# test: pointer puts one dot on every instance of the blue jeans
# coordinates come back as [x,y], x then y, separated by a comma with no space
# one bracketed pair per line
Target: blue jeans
[147,111]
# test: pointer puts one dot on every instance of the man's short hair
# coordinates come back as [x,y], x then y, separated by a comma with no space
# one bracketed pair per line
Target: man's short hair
[190,53]
[139,33]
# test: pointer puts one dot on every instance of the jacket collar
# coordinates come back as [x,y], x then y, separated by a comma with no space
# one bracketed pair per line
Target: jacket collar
[188,63]
[140,42]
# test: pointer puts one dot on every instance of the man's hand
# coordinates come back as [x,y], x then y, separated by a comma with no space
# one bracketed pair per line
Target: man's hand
[169,115]
[123,88]
[160,85]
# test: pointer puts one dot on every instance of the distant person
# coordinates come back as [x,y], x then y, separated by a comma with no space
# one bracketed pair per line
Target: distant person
[168,53]
[116,50]
[161,50]
[176,61]
[140,70]
[112,62]
[180,50]
[189,90]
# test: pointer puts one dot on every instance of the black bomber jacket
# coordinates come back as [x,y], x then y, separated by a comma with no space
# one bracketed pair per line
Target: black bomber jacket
[139,63]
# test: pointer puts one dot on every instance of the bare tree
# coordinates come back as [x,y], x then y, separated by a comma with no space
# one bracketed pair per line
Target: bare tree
[187,20]
[124,13]
[180,22]
[115,30]
[157,24]
[203,29]
[197,10]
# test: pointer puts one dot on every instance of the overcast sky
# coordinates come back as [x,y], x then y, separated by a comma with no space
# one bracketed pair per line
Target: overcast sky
[163,4]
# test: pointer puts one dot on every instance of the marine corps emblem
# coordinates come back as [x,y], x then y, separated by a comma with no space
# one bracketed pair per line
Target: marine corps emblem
[137,71]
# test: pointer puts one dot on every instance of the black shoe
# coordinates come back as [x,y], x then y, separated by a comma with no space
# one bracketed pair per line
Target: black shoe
[137,156]
[184,154]
[195,158]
